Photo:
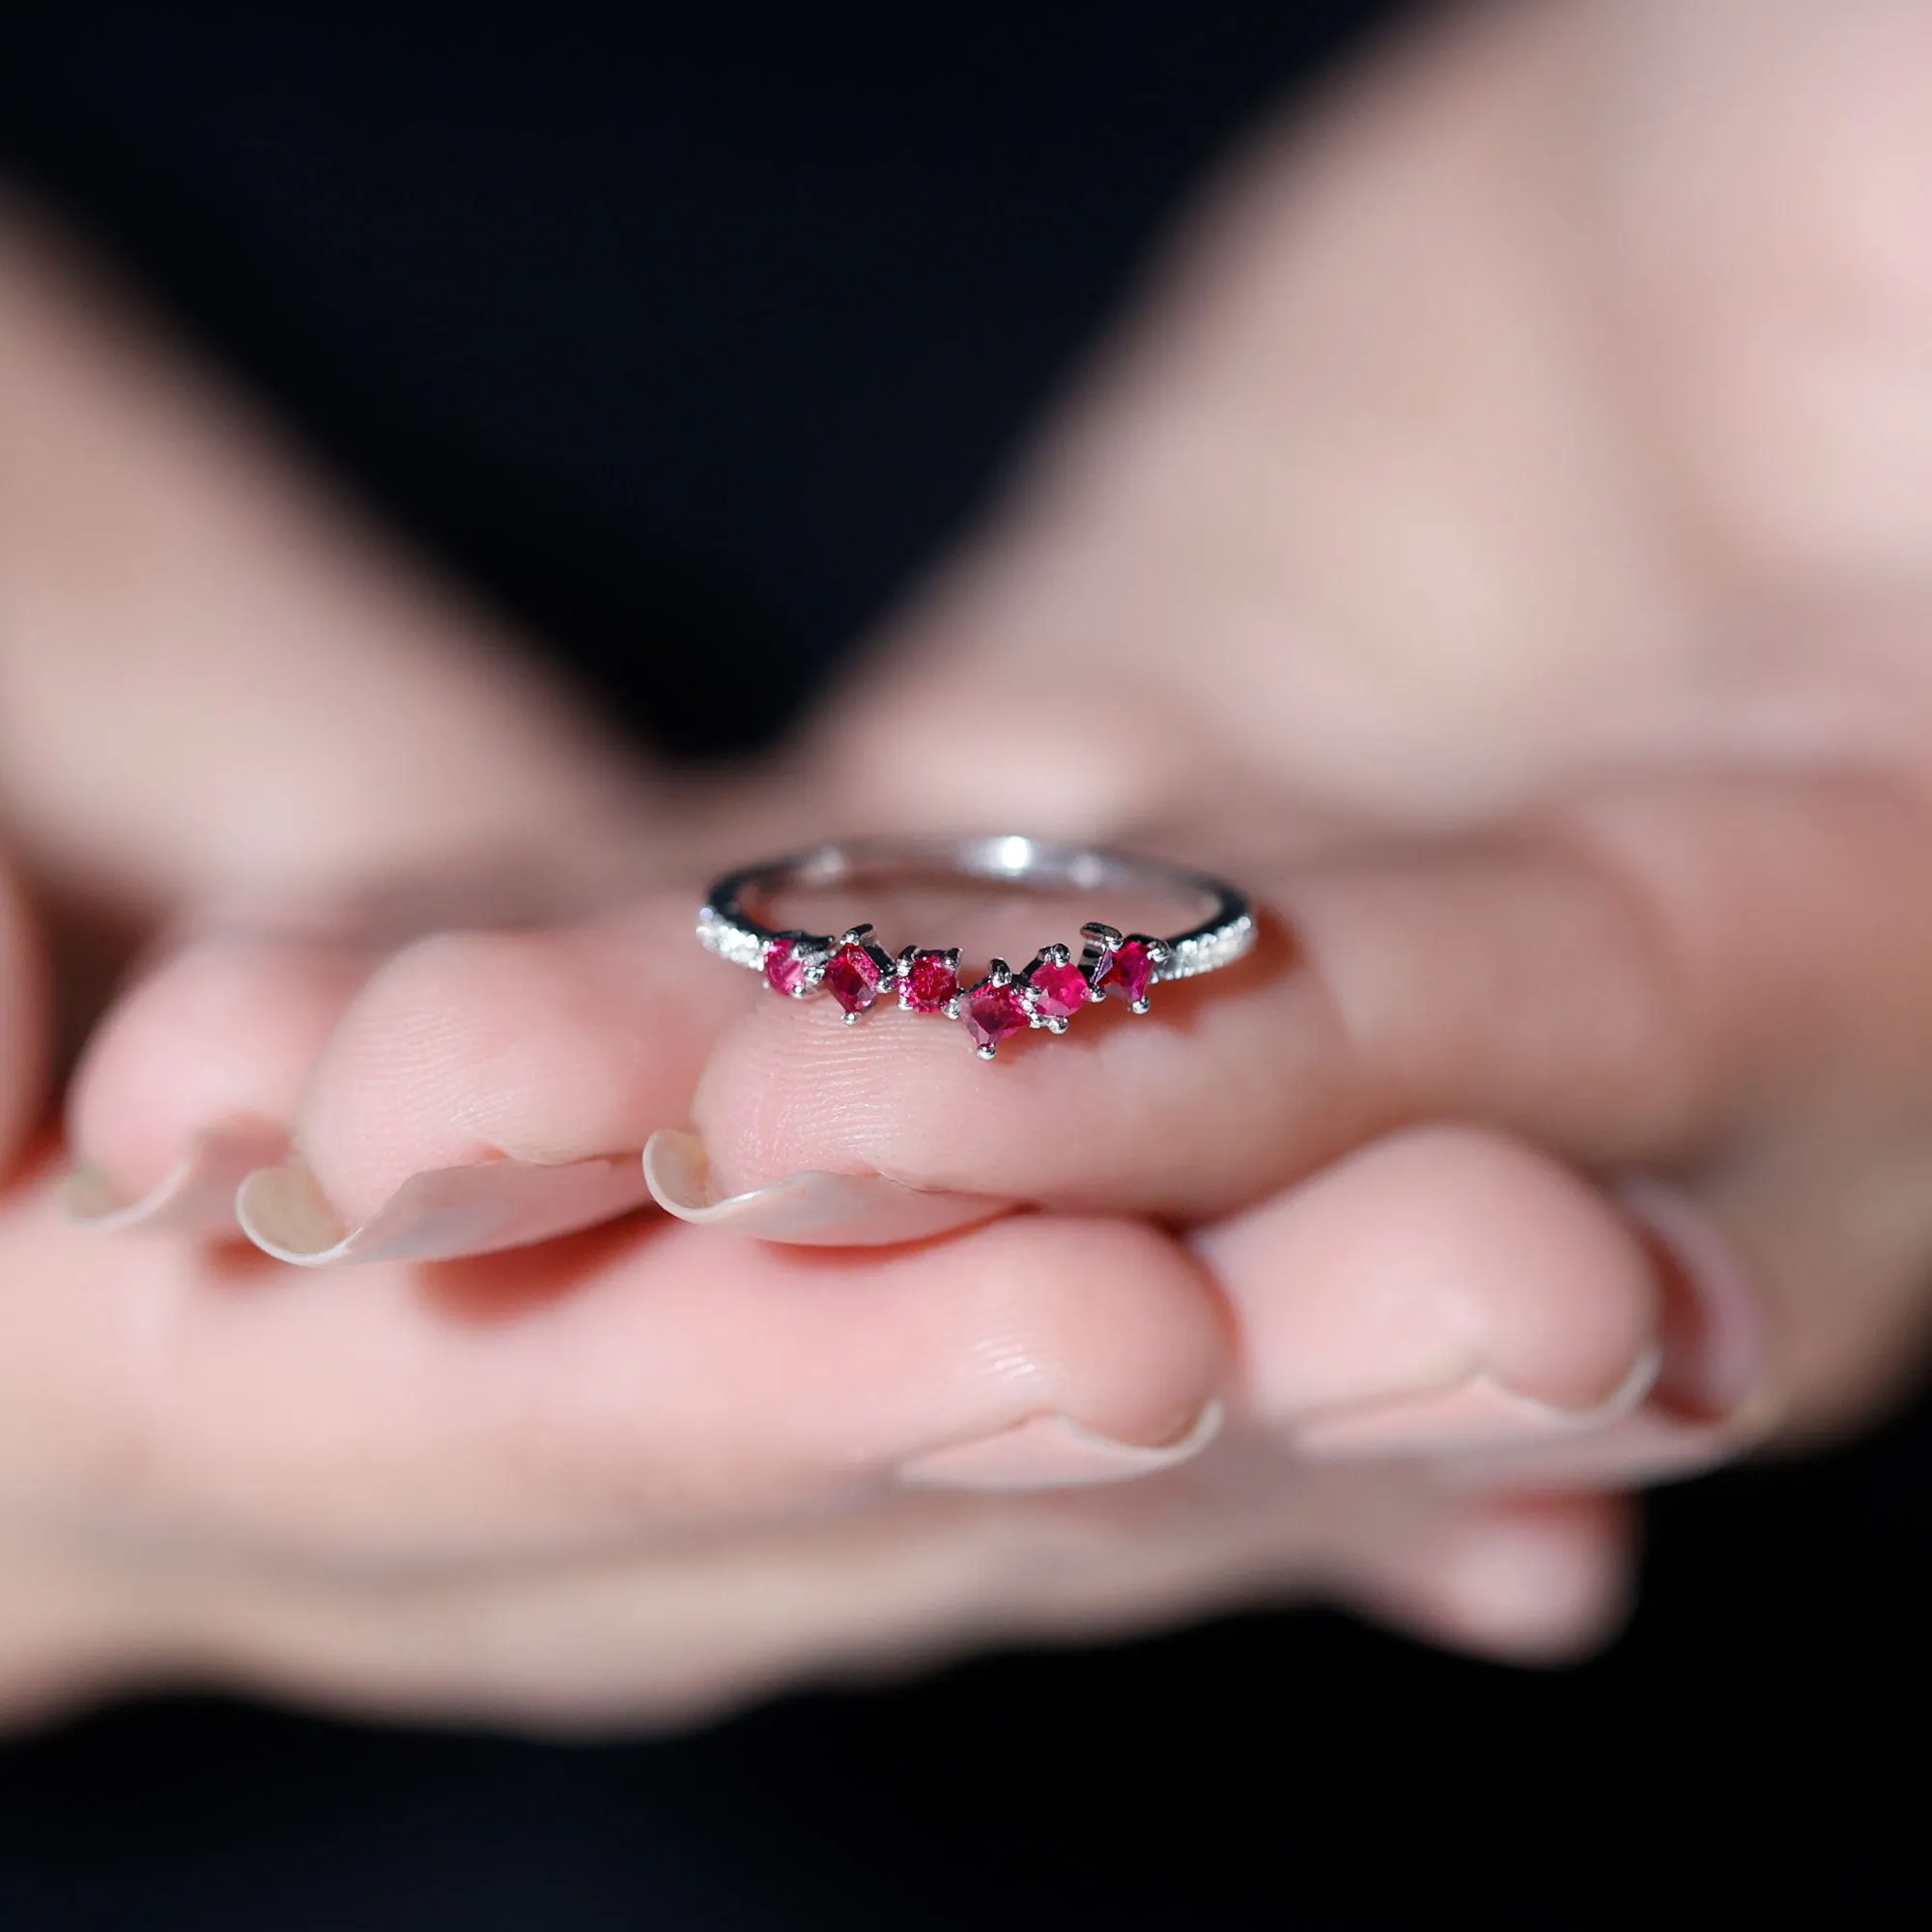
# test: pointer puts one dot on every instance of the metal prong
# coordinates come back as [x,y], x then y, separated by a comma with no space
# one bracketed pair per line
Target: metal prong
[1056,1026]
[1138,1006]
[854,935]
[853,1019]
[984,1052]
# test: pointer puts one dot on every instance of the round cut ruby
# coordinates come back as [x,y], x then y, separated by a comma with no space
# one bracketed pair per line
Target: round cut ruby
[852,978]
[993,1014]
[929,983]
[1129,972]
[784,965]
[1059,988]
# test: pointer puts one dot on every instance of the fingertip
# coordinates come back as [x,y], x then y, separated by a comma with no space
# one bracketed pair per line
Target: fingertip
[1436,1287]
[542,1047]
[195,1196]
[195,1073]
[1528,1580]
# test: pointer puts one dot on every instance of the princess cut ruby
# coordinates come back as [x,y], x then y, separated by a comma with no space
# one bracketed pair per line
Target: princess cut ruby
[1059,988]
[930,982]
[784,965]
[852,978]
[993,1014]
[1129,972]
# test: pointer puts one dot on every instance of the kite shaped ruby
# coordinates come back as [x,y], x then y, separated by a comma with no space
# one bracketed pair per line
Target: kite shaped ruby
[784,965]
[1059,988]
[929,983]
[1129,972]
[852,978]
[993,1014]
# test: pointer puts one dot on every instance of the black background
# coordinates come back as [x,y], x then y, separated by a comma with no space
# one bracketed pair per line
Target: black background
[692,337]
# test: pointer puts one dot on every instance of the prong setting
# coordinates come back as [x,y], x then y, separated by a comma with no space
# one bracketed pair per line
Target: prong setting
[1045,996]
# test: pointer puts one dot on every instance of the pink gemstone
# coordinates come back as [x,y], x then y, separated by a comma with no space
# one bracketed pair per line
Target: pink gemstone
[1059,990]
[852,978]
[785,969]
[994,1012]
[1129,972]
[930,983]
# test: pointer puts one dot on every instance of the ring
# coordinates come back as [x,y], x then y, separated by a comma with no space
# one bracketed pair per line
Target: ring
[858,973]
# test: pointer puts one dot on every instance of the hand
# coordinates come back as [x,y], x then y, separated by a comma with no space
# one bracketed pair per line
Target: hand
[397,901]
[1447,664]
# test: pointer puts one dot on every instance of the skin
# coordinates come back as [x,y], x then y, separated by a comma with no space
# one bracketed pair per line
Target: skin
[1497,539]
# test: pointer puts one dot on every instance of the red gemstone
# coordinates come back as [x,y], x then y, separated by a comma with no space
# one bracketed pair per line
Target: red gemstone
[1129,972]
[852,978]
[992,1014]
[1059,988]
[929,983]
[784,968]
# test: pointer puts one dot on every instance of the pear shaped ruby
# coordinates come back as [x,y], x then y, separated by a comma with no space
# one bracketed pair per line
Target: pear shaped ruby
[993,1014]
[852,978]
[930,982]
[1059,988]
[1129,972]
[784,965]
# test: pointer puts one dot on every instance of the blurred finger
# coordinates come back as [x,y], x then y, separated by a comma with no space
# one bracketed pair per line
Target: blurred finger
[26,1021]
[640,1381]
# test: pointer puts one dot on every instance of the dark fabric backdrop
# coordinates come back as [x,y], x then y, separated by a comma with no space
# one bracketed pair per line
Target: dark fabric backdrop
[691,336]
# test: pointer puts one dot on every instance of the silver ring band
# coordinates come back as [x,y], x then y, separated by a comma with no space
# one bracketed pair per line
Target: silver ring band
[1045,994]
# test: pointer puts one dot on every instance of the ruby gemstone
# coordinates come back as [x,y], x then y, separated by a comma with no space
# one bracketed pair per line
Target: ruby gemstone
[784,966]
[1129,972]
[929,983]
[1059,989]
[994,1012]
[852,978]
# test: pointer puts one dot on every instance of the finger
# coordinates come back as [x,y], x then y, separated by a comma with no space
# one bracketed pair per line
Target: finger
[1442,1289]
[214,677]
[1451,1298]
[682,1634]
[1522,1580]
[1630,984]
[647,1380]
[485,1089]
[190,1082]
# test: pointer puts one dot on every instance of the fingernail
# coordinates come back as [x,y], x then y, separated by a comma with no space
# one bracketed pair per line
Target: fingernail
[195,1196]
[1475,1411]
[813,1210]
[437,1215]
[1716,1352]
[1054,1452]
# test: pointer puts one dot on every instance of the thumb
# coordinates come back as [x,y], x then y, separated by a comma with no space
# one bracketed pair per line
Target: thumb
[214,675]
